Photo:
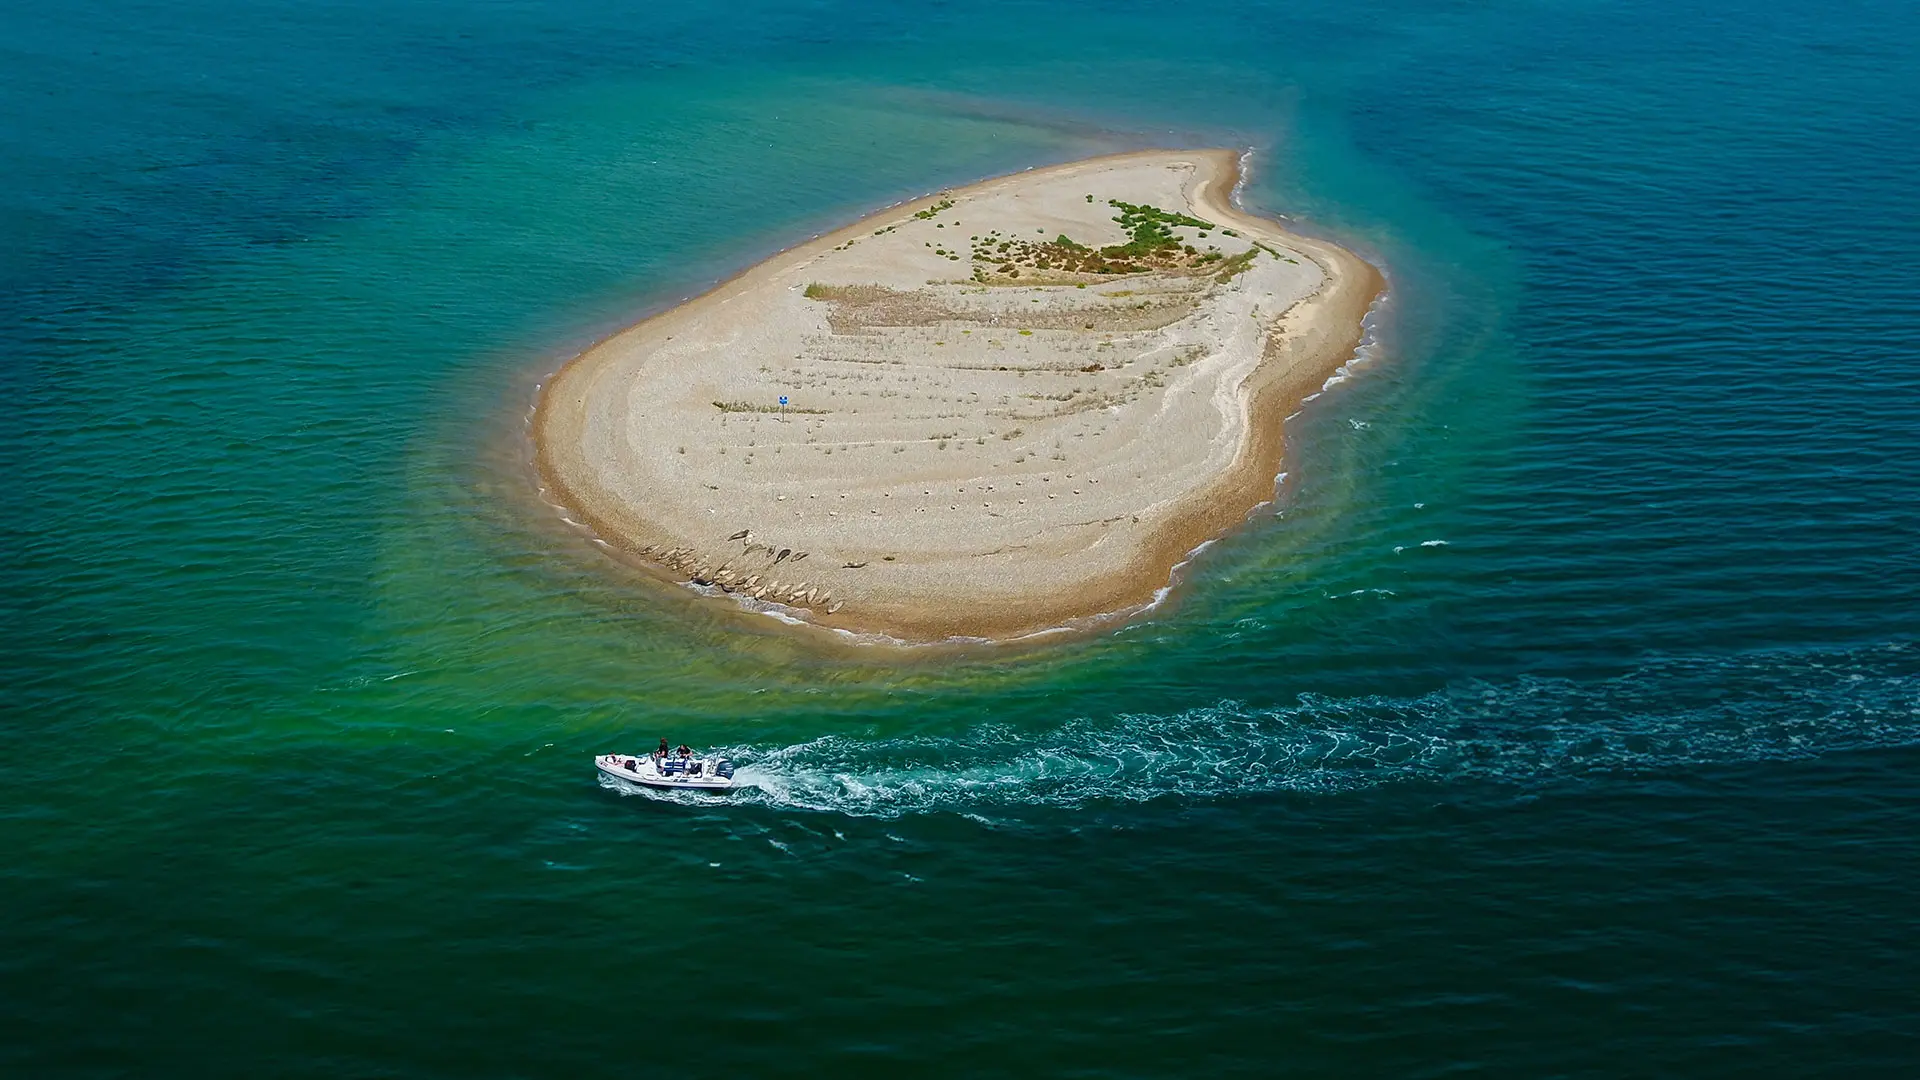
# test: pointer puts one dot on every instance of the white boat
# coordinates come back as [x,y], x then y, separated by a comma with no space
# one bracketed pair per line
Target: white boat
[668,773]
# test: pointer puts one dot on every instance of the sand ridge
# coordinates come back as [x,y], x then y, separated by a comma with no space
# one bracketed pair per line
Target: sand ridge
[1004,410]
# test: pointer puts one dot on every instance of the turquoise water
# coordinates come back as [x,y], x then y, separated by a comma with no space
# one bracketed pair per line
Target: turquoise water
[1562,717]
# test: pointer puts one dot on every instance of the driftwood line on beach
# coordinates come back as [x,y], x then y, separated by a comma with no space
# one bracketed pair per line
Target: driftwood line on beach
[751,573]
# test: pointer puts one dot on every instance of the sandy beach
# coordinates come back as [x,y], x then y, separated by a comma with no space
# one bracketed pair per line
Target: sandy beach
[982,414]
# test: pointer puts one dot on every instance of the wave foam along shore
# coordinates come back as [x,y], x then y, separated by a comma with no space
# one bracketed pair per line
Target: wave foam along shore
[982,414]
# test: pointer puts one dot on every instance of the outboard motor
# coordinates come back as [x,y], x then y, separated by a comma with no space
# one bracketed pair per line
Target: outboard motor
[723,768]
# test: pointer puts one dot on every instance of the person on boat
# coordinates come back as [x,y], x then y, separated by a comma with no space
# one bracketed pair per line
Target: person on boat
[660,754]
[685,751]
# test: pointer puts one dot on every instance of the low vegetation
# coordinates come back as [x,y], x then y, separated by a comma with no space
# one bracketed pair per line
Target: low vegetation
[857,293]
[1150,227]
[932,211]
[1151,245]
[1233,266]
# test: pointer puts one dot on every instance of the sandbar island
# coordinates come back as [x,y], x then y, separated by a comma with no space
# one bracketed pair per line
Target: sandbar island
[991,412]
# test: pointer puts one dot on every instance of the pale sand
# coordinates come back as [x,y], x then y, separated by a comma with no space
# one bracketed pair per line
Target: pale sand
[950,463]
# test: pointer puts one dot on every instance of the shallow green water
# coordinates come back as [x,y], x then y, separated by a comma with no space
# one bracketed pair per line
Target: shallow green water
[1558,718]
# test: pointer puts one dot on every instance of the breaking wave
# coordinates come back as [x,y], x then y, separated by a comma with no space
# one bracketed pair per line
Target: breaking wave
[1663,715]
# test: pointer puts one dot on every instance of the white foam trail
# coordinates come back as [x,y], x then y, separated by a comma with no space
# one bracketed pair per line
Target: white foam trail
[1529,732]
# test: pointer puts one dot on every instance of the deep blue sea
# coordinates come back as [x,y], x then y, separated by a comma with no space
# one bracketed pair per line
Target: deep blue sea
[1561,718]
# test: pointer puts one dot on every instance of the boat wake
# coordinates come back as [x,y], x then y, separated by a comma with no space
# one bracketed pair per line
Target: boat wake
[1534,732]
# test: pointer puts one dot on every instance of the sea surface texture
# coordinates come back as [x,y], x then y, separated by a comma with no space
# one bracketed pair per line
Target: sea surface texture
[1561,717]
